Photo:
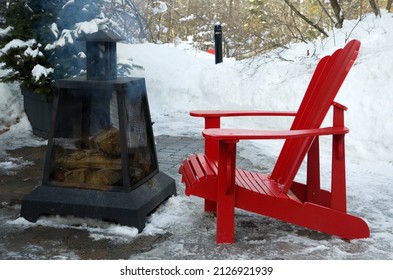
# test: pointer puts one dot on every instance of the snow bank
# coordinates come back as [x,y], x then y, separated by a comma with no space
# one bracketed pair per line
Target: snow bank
[15,128]
[179,82]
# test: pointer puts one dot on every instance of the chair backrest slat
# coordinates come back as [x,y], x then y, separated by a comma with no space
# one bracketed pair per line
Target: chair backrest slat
[323,88]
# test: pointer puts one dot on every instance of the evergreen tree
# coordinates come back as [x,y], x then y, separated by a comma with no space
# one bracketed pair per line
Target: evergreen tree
[41,44]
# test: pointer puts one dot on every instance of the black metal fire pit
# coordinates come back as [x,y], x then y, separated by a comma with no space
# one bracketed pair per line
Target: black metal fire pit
[101,160]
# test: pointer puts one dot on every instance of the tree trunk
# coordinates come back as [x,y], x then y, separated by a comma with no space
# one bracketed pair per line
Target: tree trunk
[188,14]
[375,8]
[230,9]
[303,17]
[170,37]
[337,13]
[389,5]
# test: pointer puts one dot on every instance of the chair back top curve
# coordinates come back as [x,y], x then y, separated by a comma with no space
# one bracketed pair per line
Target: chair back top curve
[325,83]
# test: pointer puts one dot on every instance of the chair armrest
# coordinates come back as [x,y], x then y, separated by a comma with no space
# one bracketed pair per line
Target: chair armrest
[213,121]
[340,106]
[241,113]
[247,134]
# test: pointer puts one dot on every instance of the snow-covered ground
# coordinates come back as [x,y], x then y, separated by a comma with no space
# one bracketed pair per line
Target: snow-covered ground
[180,79]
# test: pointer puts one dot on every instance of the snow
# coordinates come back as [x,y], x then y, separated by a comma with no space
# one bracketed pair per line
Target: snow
[32,53]
[87,27]
[5,31]
[17,43]
[180,79]
[161,8]
[54,29]
[188,18]
[65,38]
[13,122]
[40,70]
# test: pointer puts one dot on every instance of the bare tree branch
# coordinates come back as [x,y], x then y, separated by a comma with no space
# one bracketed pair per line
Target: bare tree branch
[325,10]
[303,17]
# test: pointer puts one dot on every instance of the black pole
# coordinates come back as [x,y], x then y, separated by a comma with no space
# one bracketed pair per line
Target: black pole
[218,42]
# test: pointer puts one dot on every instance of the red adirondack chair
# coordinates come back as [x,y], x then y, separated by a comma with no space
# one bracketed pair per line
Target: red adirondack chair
[215,177]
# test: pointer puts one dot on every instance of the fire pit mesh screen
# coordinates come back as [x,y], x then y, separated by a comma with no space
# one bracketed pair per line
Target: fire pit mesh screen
[140,145]
[90,149]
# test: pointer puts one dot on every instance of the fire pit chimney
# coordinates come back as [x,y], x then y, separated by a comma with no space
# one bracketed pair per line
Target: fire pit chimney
[101,55]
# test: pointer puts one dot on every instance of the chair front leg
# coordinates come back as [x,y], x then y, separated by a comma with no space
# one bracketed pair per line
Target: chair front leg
[339,201]
[226,192]
[313,173]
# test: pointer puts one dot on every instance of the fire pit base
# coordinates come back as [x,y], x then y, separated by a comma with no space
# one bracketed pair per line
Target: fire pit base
[125,208]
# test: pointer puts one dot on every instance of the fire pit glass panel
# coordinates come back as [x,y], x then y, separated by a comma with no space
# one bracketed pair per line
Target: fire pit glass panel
[102,136]
[140,146]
